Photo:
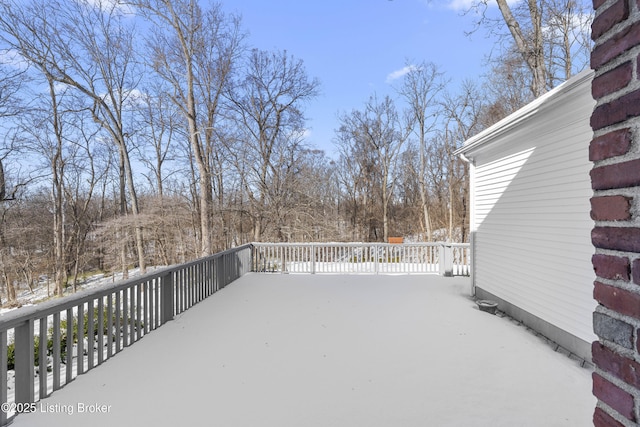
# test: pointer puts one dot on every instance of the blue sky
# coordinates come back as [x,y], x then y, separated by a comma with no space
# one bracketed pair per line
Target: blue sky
[354,46]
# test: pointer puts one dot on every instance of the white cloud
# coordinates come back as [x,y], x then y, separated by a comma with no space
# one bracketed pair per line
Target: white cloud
[12,58]
[395,75]
[460,5]
[111,5]
[302,134]
[466,5]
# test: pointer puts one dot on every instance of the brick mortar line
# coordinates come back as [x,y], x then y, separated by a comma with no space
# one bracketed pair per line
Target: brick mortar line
[620,284]
[615,415]
[635,323]
[616,348]
[634,83]
[612,64]
[634,149]
[631,255]
[604,7]
[629,192]
[617,224]
[634,16]
[611,128]
[635,393]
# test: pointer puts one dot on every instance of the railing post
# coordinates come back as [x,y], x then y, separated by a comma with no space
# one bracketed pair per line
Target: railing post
[313,258]
[377,256]
[24,362]
[166,310]
[446,260]
[283,254]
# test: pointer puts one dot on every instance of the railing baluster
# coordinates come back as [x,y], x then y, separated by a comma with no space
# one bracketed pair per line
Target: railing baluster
[209,278]
[100,329]
[175,283]
[139,319]
[80,336]
[118,321]
[90,334]
[200,282]
[156,308]
[177,288]
[190,287]
[189,283]
[55,336]
[148,309]
[125,318]
[216,275]
[183,290]
[110,321]
[132,315]
[42,358]
[69,344]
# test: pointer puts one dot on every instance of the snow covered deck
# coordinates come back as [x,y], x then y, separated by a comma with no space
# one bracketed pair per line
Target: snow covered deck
[330,350]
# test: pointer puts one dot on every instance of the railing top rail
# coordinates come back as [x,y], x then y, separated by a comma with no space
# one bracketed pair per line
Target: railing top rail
[358,244]
[458,245]
[16,317]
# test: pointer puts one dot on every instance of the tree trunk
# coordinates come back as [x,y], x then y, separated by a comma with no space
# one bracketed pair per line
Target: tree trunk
[385,212]
[423,185]
[57,169]
[134,207]
[531,52]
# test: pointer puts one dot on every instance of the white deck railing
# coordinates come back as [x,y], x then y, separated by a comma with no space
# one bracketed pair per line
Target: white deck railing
[65,334]
[447,259]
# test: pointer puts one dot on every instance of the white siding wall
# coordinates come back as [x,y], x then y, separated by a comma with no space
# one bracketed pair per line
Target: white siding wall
[531,217]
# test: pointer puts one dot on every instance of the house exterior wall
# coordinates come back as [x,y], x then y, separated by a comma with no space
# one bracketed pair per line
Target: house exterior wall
[615,207]
[530,215]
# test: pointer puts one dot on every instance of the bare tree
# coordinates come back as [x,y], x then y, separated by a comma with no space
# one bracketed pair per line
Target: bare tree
[195,50]
[505,88]
[354,187]
[421,89]
[11,83]
[463,114]
[547,34]
[314,198]
[57,170]
[567,28]
[268,106]
[159,123]
[87,167]
[376,136]
[12,80]
[88,47]
[531,47]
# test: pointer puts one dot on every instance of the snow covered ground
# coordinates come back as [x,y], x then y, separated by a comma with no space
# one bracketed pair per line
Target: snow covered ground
[27,297]
[330,350]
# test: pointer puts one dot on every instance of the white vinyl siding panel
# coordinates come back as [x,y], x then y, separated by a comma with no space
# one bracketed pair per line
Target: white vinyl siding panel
[531,222]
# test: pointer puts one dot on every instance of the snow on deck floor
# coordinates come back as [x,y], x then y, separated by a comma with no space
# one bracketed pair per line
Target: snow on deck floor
[322,350]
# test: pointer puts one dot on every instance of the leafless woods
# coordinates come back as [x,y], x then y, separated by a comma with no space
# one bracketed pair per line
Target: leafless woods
[149,132]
